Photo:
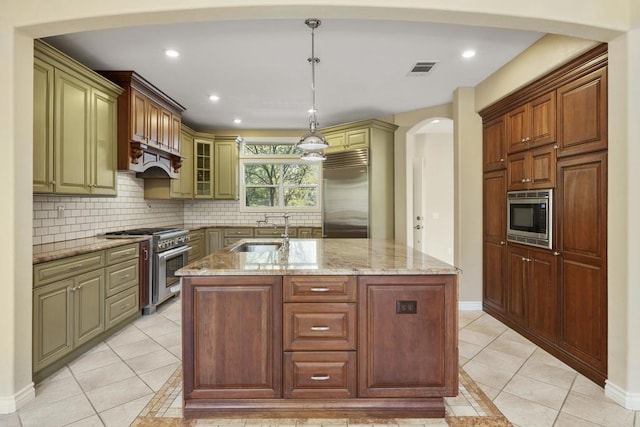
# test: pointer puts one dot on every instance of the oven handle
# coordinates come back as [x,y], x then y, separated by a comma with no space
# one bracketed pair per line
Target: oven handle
[173,252]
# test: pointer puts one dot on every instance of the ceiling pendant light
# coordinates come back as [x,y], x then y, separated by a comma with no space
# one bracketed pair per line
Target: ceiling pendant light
[313,142]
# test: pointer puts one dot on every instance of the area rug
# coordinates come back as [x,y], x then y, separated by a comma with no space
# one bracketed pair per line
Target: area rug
[471,408]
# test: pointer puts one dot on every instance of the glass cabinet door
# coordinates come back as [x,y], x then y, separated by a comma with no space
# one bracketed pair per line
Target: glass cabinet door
[203,173]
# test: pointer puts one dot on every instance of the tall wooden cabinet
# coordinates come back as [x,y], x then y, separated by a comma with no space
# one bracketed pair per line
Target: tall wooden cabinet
[75,119]
[556,137]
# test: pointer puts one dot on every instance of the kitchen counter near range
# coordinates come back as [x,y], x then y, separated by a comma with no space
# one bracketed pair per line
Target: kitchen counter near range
[322,257]
[67,248]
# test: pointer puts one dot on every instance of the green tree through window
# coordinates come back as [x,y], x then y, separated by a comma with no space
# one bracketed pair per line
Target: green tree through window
[274,177]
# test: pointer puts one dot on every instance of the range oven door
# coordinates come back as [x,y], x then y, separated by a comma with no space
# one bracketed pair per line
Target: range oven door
[166,283]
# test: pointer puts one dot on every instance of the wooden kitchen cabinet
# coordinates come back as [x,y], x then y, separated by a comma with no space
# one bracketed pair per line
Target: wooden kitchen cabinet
[239,319]
[407,336]
[75,113]
[182,186]
[148,125]
[581,242]
[233,234]
[532,169]
[494,240]
[532,124]
[582,114]
[494,150]
[558,299]
[533,290]
[225,169]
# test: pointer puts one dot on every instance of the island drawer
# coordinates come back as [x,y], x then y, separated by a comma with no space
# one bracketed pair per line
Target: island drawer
[320,288]
[317,375]
[322,326]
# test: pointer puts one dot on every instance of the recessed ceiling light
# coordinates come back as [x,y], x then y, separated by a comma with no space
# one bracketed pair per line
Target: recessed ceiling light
[214,98]
[470,53]
[237,121]
[172,53]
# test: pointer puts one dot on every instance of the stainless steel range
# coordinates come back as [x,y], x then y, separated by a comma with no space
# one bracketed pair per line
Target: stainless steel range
[168,254]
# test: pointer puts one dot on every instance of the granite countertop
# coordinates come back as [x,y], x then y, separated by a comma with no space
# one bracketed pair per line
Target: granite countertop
[320,256]
[52,251]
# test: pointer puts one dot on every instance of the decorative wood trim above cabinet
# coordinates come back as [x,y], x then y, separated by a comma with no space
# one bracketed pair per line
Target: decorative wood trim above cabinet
[582,65]
[148,142]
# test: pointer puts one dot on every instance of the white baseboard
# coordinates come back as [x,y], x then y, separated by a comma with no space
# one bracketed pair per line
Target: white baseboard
[10,404]
[470,305]
[622,397]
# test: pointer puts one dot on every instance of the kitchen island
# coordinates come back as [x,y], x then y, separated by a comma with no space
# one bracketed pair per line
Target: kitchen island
[327,328]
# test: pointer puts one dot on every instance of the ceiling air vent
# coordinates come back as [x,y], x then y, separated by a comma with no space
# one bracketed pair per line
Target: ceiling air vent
[423,68]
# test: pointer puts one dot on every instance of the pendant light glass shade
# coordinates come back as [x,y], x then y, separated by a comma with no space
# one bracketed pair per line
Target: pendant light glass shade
[313,142]
[313,156]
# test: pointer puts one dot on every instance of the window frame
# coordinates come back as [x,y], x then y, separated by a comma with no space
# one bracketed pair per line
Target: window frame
[245,159]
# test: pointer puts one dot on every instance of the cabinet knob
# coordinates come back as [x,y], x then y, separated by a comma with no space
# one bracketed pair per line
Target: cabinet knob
[523,180]
[527,139]
[52,183]
[502,160]
[502,242]
[523,140]
[556,253]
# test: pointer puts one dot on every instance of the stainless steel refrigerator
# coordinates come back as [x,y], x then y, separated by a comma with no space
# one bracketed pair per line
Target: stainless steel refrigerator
[345,207]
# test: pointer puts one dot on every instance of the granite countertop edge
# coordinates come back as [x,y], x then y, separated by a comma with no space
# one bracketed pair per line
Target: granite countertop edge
[58,250]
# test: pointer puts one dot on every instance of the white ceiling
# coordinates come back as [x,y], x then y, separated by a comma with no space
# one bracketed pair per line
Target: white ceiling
[260,71]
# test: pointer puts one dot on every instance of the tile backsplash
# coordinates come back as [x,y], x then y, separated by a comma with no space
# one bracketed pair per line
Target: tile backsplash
[58,218]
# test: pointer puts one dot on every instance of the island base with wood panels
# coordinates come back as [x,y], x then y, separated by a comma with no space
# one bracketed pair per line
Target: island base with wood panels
[329,328]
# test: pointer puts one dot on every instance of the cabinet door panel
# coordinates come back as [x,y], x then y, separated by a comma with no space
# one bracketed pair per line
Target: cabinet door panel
[494,150]
[226,165]
[72,123]
[174,142]
[543,167]
[321,326]
[52,323]
[543,293]
[336,143]
[543,120]
[495,206]
[517,290]
[582,114]
[237,331]
[139,122]
[164,131]
[103,137]
[407,354]
[89,306]
[518,129]
[42,127]
[581,205]
[518,171]
[494,292]
[153,128]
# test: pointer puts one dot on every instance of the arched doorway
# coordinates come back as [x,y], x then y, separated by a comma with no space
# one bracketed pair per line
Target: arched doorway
[430,192]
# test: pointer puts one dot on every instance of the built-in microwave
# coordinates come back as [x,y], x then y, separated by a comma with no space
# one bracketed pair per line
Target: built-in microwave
[530,217]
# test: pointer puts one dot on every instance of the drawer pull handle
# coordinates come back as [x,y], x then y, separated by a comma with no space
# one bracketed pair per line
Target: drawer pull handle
[320,377]
[75,267]
[320,328]
[320,289]
[126,276]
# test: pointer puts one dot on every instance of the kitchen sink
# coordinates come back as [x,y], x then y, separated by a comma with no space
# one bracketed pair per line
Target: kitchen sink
[257,247]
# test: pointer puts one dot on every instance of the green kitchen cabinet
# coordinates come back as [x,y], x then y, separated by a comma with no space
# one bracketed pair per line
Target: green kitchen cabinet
[225,159]
[75,127]
[67,314]
[203,168]
[43,179]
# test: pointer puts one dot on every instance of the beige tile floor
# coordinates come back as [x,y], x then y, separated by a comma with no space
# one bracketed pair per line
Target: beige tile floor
[112,383]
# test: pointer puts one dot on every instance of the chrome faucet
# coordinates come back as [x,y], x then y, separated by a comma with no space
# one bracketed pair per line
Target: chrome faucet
[285,236]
